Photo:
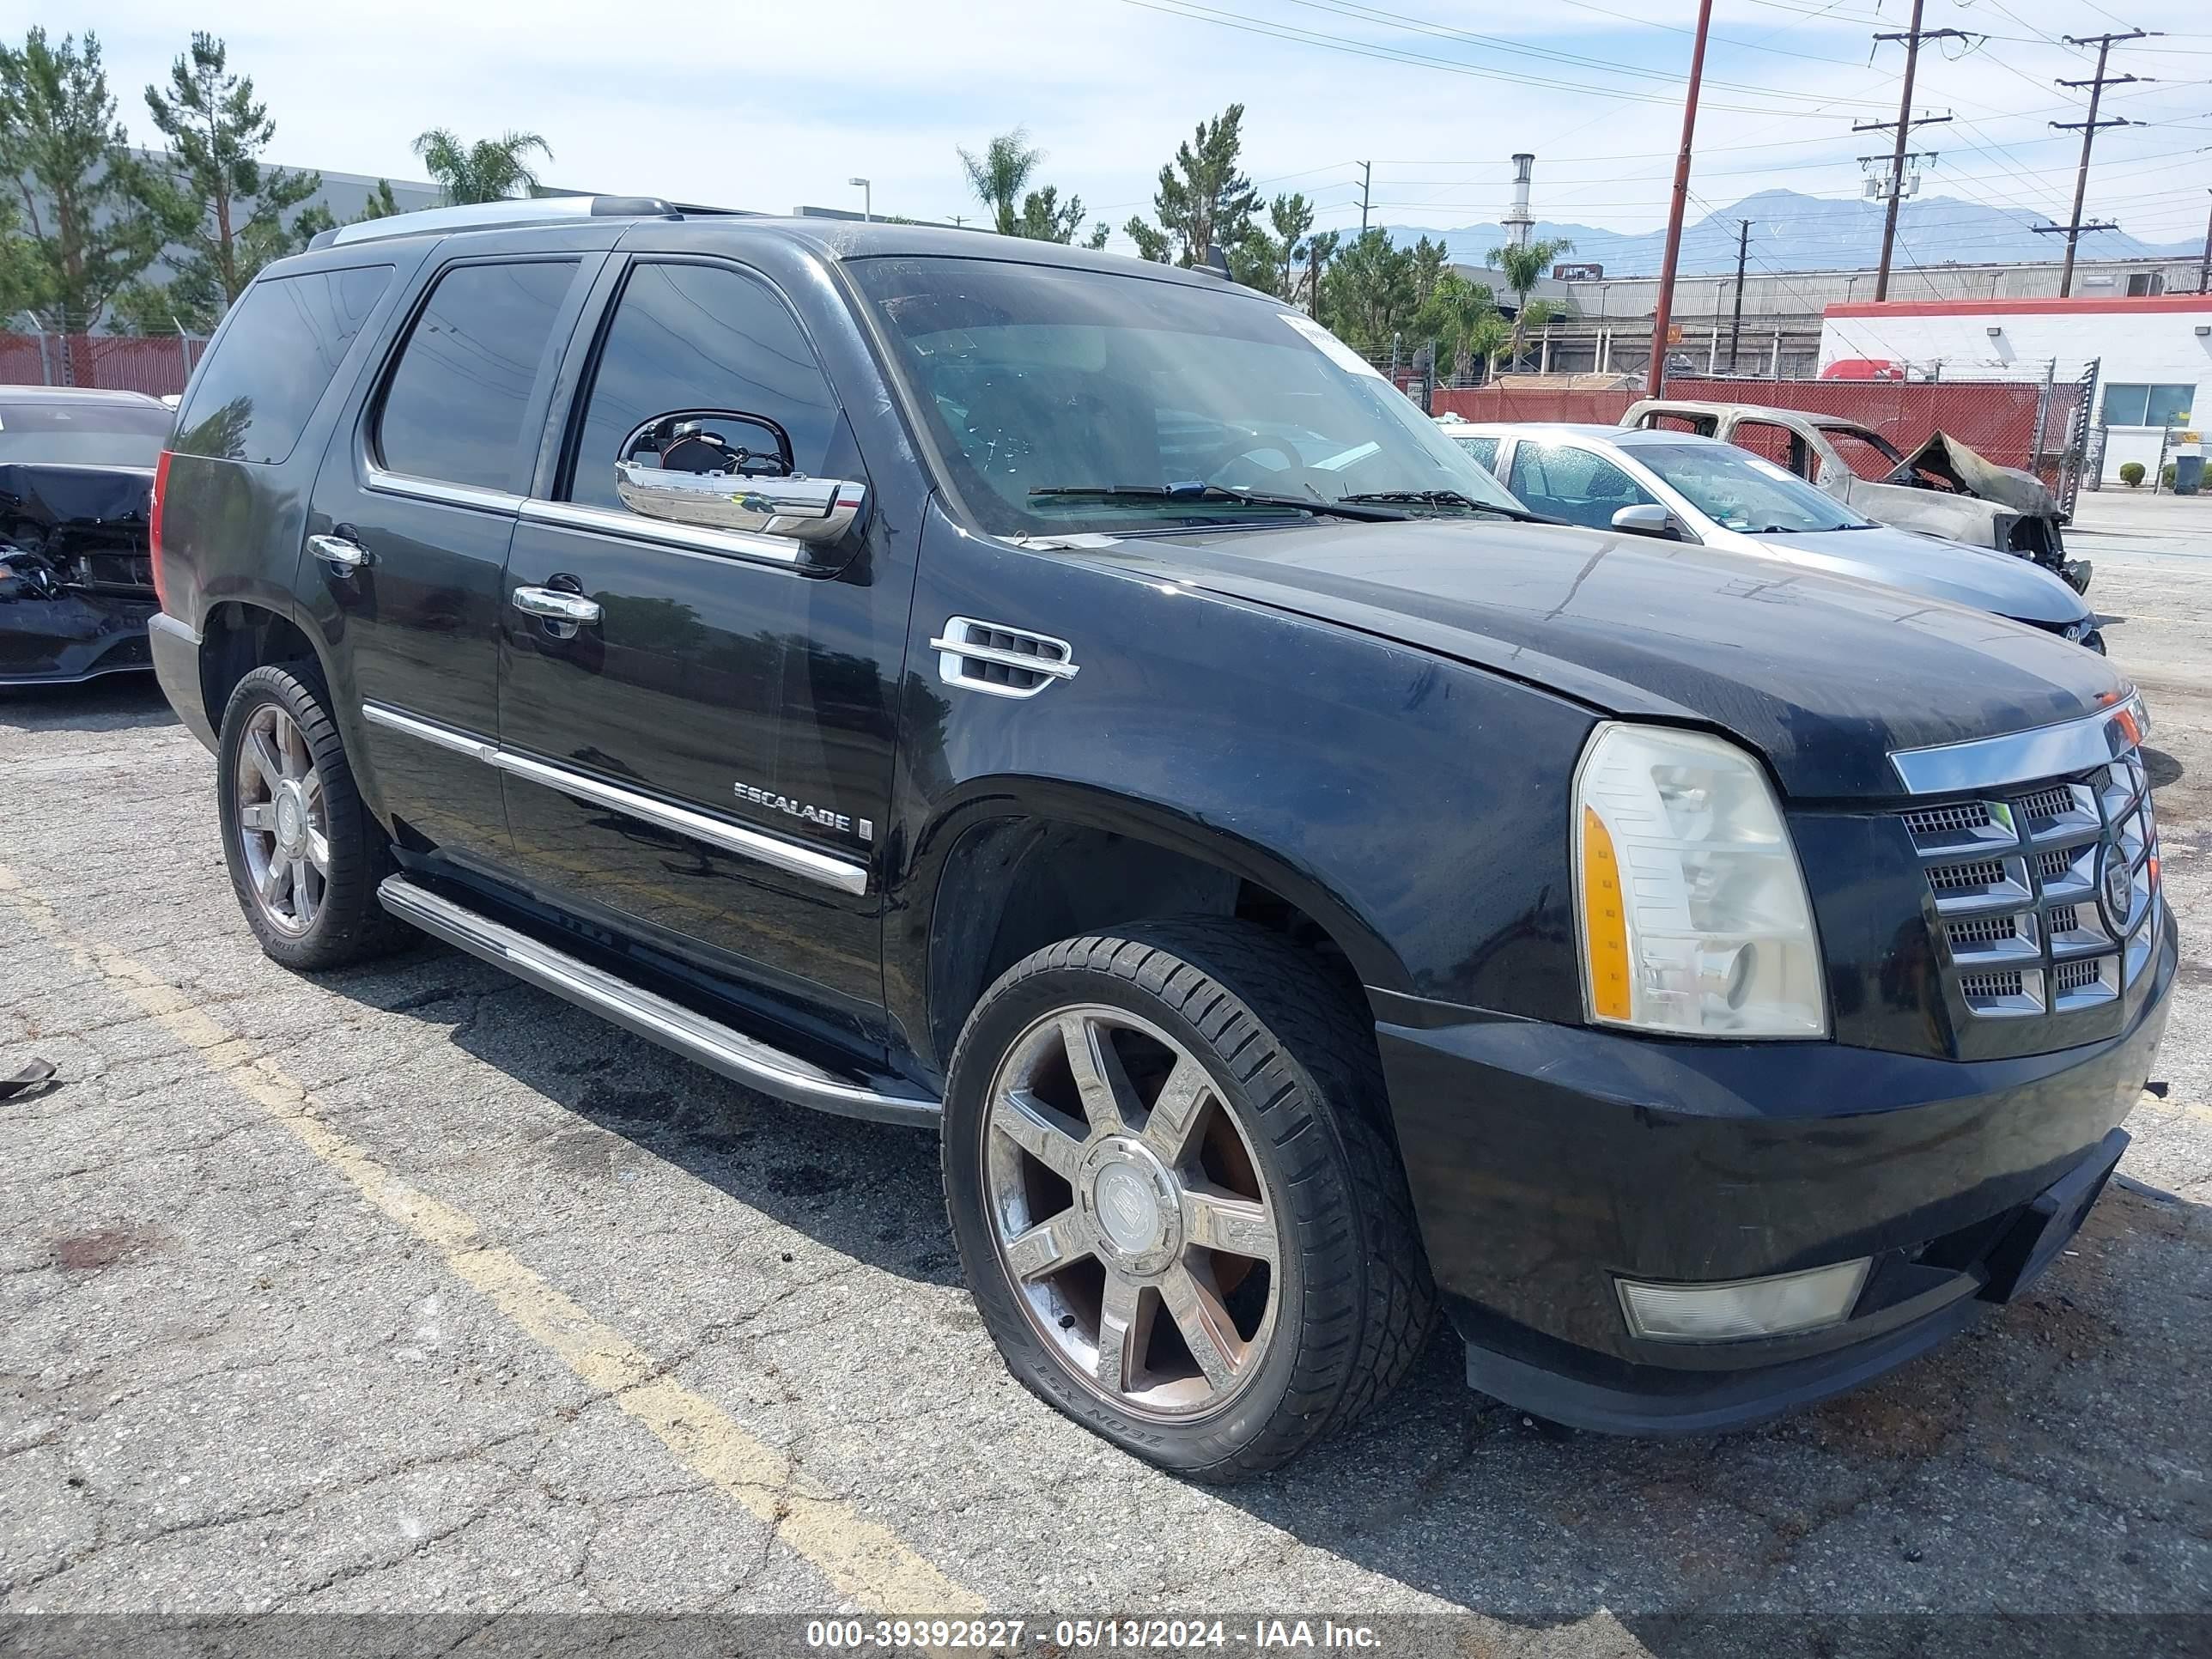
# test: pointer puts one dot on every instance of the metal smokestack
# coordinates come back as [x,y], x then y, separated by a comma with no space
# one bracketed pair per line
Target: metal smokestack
[1520,222]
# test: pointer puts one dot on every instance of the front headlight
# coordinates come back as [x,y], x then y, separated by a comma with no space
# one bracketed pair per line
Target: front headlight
[1692,909]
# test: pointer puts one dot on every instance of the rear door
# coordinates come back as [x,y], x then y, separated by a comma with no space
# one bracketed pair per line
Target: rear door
[708,757]
[413,510]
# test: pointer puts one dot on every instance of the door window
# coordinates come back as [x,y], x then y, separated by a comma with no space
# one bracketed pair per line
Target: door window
[455,408]
[1562,482]
[1775,443]
[688,337]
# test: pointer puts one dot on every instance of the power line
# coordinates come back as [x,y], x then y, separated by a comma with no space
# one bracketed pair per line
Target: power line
[1196,13]
[1903,125]
[2089,129]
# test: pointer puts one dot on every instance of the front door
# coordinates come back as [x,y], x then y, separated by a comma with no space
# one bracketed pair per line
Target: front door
[414,508]
[708,754]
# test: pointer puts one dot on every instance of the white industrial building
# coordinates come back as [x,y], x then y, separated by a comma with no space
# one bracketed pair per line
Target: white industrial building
[2153,353]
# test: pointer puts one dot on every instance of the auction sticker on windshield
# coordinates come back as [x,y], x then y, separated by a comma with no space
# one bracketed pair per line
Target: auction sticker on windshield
[1337,352]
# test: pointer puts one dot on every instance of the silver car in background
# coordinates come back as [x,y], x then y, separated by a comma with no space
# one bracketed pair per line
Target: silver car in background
[1681,487]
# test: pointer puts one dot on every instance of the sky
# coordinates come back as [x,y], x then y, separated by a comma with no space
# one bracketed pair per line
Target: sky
[769,105]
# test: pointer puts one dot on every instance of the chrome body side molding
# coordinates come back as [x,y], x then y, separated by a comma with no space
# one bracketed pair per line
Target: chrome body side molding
[826,868]
[717,1047]
[460,742]
[2045,751]
[685,537]
[436,489]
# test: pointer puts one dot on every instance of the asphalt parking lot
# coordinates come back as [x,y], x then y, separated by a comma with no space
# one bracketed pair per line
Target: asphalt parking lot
[412,1291]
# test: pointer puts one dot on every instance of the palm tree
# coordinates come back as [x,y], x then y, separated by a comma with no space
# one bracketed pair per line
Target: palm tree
[1524,267]
[489,170]
[1486,336]
[1455,307]
[998,175]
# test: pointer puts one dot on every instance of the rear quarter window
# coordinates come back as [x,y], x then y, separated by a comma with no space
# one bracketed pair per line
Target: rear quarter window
[280,347]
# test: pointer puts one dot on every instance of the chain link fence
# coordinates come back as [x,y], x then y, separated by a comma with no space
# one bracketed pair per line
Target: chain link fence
[158,366]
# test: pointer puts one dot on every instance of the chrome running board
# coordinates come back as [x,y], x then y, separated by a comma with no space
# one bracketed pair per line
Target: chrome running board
[717,1047]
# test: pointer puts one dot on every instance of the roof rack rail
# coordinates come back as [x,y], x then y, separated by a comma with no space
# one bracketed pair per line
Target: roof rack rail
[497,215]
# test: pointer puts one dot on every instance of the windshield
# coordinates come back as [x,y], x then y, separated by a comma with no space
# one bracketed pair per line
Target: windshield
[1036,379]
[1739,491]
[94,432]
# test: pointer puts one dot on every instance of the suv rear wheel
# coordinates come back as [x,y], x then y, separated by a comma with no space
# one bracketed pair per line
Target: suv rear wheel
[1176,1198]
[305,855]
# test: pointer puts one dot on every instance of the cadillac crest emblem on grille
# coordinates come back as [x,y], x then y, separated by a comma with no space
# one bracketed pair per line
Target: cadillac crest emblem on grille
[2116,885]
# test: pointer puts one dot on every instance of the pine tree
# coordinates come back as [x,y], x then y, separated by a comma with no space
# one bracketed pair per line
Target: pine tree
[236,207]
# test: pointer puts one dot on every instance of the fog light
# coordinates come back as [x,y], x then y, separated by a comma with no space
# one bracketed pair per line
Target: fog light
[1773,1306]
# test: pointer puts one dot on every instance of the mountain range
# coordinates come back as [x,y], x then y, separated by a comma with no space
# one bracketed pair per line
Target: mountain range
[1794,232]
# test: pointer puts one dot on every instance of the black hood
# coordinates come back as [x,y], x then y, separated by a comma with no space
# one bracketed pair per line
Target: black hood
[1825,675]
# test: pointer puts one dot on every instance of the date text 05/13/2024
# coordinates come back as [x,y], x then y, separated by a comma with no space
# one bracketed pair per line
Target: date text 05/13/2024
[1085,1635]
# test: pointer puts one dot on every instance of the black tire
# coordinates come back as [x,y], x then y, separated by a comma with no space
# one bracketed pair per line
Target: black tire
[1294,1063]
[350,926]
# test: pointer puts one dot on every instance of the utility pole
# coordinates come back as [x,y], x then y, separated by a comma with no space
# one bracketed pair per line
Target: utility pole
[2088,129]
[1912,37]
[1655,378]
[1742,253]
[1366,184]
[2204,271]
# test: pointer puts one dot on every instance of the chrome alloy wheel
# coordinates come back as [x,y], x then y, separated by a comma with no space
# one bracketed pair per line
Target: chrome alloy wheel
[1120,1189]
[283,823]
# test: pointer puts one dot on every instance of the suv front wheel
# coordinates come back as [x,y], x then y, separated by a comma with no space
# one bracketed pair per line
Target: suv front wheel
[1176,1198]
[305,855]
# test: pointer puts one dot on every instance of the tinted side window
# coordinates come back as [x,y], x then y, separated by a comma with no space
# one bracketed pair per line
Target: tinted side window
[1573,484]
[455,406]
[284,340]
[701,336]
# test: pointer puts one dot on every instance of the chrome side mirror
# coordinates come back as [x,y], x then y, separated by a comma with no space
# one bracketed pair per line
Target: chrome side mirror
[1647,518]
[805,509]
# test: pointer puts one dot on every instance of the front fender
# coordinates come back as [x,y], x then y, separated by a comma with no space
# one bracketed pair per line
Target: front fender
[1416,808]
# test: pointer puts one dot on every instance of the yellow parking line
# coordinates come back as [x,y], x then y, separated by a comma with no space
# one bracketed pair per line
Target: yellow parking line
[866,1560]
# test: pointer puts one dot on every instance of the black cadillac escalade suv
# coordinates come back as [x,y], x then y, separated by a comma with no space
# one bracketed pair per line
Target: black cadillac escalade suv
[1075,707]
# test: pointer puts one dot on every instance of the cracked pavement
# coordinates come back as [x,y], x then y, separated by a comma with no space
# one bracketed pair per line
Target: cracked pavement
[247,1367]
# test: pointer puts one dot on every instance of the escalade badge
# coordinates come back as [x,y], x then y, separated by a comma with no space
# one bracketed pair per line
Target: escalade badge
[822,816]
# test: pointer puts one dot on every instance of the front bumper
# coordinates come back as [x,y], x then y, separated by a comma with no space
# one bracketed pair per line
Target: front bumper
[1547,1162]
[72,638]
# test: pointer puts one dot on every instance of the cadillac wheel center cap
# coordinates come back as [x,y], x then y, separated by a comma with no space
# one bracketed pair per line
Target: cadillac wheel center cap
[1131,1202]
[291,820]
[1127,1213]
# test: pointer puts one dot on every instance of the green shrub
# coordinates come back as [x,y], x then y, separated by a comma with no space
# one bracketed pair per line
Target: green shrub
[2166,477]
[2131,474]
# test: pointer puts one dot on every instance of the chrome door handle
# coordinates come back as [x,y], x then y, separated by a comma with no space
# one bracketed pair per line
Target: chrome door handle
[341,553]
[554,605]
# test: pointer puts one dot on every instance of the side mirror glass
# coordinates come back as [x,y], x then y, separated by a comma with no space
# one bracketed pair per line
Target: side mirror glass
[1647,518]
[720,471]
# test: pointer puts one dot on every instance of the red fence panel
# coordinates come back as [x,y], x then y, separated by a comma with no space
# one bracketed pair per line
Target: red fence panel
[2022,423]
[113,361]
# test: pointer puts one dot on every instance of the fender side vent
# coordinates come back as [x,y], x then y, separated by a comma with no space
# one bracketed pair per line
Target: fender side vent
[1001,661]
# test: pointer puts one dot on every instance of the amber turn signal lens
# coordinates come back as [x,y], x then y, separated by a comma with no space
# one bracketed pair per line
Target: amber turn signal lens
[1605,922]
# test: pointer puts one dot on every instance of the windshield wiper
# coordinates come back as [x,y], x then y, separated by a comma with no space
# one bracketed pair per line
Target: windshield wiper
[1450,498]
[1206,492]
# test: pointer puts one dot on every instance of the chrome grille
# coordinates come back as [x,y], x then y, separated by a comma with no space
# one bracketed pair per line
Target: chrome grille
[1933,820]
[2018,878]
[1958,878]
